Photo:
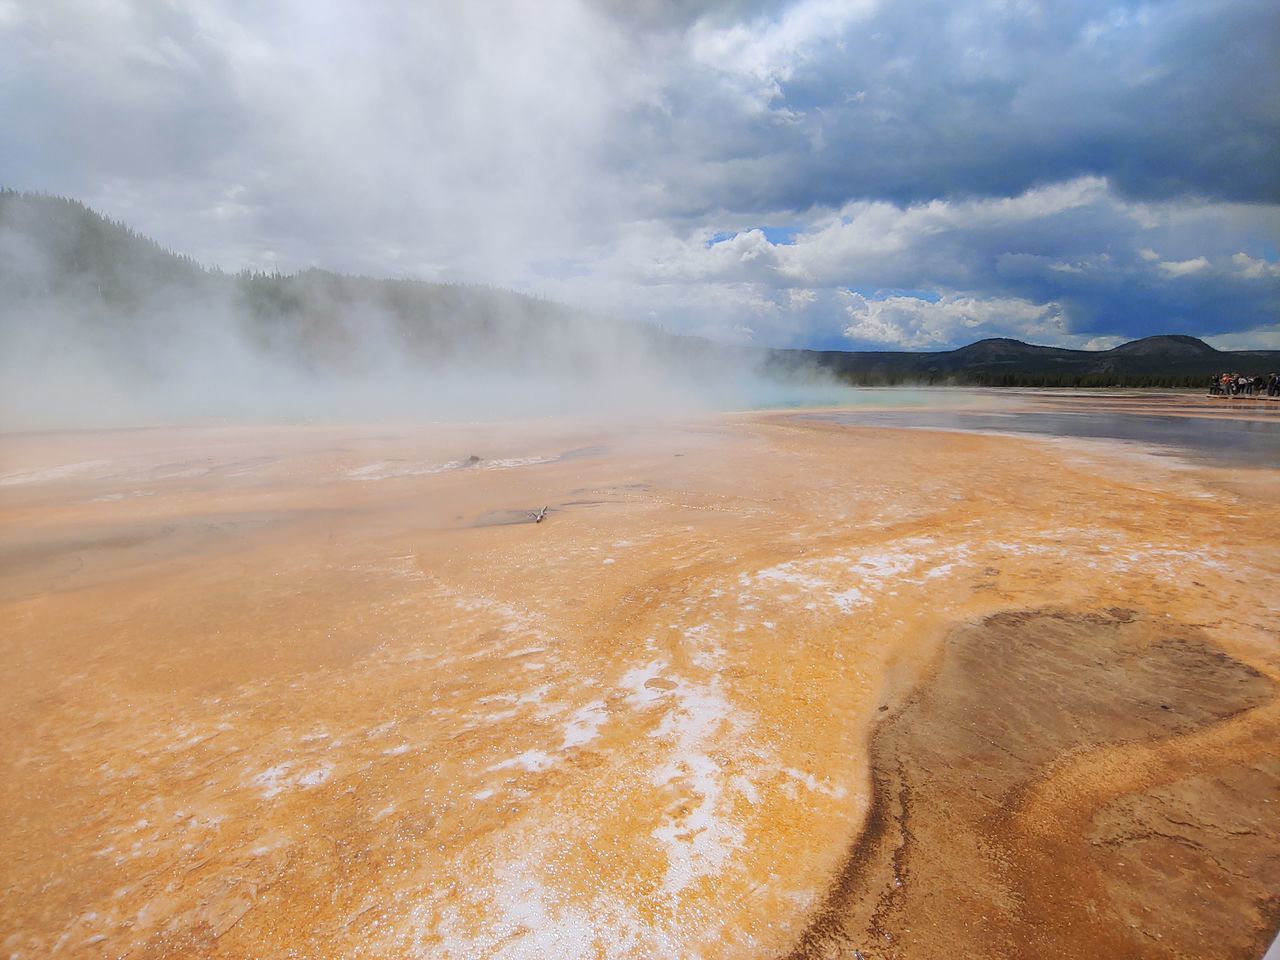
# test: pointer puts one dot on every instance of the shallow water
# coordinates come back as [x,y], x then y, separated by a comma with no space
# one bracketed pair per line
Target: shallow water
[1245,443]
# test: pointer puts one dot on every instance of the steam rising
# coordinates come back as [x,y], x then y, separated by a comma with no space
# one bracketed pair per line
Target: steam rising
[102,326]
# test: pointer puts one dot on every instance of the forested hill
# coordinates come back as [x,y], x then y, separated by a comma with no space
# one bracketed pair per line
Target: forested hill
[64,267]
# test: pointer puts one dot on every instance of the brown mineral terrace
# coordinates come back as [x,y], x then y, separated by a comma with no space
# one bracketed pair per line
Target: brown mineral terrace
[757,686]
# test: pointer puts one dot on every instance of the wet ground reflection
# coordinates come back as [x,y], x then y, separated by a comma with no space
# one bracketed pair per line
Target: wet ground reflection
[1251,442]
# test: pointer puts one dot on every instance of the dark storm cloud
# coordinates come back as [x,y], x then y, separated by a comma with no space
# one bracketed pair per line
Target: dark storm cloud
[922,100]
[591,151]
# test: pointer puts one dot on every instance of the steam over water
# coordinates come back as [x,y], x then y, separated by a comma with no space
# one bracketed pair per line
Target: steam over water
[101,327]
[329,690]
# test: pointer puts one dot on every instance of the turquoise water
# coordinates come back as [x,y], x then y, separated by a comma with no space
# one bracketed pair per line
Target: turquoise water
[787,397]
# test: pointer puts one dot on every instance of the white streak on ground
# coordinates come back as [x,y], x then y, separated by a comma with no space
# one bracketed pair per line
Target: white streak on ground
[850,579]
[584,725]
[635,680]
[527,918]
[702,836]
[64,472]
[532,760]
[389,469]
[276,779]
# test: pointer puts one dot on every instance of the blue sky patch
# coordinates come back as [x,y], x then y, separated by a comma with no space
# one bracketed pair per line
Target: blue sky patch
[775,235]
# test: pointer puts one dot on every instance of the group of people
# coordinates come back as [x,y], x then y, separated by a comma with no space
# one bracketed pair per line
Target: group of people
[1235,385]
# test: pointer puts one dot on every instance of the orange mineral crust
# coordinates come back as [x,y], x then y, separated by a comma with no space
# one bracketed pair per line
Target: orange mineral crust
[754,686]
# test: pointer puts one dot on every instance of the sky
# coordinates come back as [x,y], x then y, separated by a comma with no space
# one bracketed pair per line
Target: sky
[843,175]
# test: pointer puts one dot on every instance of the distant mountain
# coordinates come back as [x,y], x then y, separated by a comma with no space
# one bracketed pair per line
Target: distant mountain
[1001,350]
[1161,361]
[76,285]
[1165,347]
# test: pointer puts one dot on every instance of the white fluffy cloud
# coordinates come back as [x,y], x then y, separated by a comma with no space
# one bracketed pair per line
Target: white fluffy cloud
[918,324]
[1254,268]
[760,54]
[1266,337]
[1184,268]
